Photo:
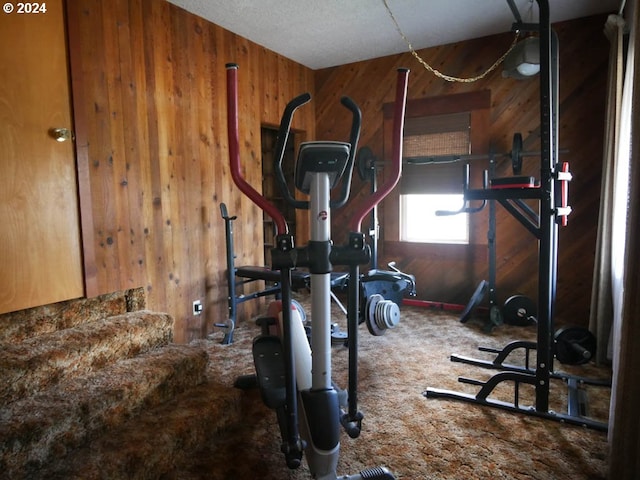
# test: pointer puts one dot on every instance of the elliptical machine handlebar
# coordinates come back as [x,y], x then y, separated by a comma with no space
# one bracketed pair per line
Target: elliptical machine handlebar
[283,135]
[281,143]
[398,125]
[234,153]
[353,140]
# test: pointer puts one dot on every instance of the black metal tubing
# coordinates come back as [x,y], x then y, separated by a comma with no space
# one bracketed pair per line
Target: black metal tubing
[525,220]
[354,137]
[281,144]
[465,208]
[514,10]
[374,228]
[272,290]
[514,408]
[231,277]
[491,240]
[548,225]
[495,364]
[292,445]
[352,420]
[526,209]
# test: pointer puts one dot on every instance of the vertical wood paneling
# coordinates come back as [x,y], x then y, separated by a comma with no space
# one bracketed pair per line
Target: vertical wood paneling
[583,58]
[150,101]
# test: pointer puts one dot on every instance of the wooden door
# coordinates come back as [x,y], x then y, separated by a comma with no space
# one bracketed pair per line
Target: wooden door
[40,253]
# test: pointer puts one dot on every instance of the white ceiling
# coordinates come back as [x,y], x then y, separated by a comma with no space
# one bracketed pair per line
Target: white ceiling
[326,33]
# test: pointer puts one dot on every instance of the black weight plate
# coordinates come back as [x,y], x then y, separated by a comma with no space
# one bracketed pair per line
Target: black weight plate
[475,300]
[364,163]
[574,345]
[519,310]
[516,154]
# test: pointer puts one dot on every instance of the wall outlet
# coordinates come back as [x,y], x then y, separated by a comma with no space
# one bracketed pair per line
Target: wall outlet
[197,307]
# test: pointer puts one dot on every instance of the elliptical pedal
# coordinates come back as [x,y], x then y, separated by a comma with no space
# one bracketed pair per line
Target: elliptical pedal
[268,358]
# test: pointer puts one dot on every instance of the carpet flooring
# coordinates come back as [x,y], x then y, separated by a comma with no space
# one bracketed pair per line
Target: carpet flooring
[417,437]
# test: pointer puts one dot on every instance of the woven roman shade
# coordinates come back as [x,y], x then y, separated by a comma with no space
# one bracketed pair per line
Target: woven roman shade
[426,139]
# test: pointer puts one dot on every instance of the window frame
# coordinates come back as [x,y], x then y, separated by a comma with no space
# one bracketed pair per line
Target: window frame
[478,104]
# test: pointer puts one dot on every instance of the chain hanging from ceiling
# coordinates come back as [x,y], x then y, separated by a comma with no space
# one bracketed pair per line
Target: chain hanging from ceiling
[437,73]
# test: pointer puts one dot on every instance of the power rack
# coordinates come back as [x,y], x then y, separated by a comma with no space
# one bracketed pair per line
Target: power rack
[551,194]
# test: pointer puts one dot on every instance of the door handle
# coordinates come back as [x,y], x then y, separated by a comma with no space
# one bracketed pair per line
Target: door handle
[60,134]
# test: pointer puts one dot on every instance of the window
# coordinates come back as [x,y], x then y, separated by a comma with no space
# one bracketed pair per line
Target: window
[432,180]
[454,125]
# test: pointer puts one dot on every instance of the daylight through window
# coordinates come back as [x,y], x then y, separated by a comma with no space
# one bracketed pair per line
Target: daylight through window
[423,221]
[428,186]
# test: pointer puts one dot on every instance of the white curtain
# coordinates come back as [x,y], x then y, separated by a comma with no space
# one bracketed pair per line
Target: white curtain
[620,205]
[602,293]
[621,186]
[624,417]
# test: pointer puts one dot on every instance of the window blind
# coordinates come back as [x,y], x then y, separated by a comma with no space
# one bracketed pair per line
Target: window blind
[425,139]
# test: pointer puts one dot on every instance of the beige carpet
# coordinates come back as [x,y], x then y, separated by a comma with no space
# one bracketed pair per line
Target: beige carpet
[416,437]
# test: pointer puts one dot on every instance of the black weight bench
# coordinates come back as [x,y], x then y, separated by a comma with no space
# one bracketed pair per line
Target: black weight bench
[299,278]
[237,276]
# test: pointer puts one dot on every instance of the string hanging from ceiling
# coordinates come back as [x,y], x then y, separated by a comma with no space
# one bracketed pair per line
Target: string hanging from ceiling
[437,73]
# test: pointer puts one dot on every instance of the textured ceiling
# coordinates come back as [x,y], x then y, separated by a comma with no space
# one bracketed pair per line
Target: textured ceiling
[326,33]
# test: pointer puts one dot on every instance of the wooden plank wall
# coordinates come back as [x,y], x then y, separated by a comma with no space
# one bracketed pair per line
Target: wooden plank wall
[514,108]
[150,113]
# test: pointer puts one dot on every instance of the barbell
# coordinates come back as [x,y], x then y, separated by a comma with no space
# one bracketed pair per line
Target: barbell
[574,345]
[516,154]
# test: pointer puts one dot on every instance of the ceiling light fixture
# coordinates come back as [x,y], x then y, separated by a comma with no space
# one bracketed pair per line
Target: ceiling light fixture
[524,60]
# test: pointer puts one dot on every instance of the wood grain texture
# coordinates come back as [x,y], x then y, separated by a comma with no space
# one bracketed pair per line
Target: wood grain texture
[40,254]
[151,102]
[514,108]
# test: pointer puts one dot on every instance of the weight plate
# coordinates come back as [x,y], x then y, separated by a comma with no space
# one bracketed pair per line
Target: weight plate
[339,337]
[370,315]
[516,154]
[475,300]
[574,345]
[364,163]
[391,314]
[519,310]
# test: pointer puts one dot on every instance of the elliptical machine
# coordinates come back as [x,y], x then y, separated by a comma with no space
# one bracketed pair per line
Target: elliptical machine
[293,381]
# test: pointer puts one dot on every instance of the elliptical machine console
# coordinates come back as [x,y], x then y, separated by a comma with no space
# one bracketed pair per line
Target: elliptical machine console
[316,157]
[293,381]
